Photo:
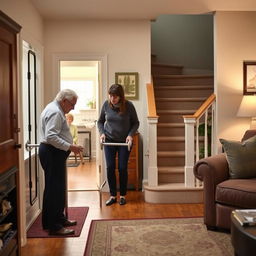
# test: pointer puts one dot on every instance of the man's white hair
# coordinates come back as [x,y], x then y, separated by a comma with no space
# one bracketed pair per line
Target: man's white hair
[66,94]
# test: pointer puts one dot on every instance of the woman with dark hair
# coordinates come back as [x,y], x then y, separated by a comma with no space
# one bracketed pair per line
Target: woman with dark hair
[117,123]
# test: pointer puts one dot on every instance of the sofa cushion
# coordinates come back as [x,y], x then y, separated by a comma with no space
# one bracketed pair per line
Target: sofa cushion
[241,157]
[240,193]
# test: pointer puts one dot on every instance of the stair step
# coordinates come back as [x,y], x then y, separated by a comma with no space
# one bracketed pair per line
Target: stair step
[170,125]
[175,115]
[182,99]
[168,174]
[189,80]
[170,129]
[166,69]
[183,91]
[170,143]
[173,193]
[170,138]
[176,111]
[171,153]
[171,169]
[170,158]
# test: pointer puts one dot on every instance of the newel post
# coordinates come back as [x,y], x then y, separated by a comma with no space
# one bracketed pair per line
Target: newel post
[152,151]
[189,151]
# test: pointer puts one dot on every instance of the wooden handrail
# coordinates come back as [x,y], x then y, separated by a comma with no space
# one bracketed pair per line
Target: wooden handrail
[202,108]
[151,101]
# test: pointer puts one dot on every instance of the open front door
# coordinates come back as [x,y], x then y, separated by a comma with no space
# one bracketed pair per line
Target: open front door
[30,119]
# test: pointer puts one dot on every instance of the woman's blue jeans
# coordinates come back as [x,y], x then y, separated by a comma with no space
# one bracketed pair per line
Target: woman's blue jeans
[123,157]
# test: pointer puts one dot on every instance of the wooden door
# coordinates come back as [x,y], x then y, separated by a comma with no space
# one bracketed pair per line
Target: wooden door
[8,94]
[9,155]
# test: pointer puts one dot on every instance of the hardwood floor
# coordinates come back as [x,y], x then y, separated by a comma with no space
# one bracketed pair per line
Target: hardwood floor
[83,177]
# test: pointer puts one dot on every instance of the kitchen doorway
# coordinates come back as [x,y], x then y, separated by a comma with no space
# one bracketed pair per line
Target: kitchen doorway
[82,76]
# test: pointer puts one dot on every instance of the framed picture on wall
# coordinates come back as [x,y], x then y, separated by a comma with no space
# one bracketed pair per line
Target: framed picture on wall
[130,82]
[249,77]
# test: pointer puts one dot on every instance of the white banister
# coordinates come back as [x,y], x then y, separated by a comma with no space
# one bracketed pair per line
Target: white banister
[152,137]
[192,138]
[189,151]
[152,151]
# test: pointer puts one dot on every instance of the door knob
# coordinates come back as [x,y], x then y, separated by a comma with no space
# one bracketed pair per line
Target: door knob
[17,146]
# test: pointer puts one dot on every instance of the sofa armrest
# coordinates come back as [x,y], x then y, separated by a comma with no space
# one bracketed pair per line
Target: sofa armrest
[212,171]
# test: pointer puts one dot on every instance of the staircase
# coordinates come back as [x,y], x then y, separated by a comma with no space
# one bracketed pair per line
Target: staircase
[175,95]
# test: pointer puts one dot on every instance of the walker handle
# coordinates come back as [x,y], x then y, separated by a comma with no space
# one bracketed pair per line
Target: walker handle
[129,144]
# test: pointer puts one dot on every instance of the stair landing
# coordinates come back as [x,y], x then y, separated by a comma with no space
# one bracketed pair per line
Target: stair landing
[173,193]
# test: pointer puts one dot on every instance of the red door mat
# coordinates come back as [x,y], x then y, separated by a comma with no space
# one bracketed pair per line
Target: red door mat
[74,213]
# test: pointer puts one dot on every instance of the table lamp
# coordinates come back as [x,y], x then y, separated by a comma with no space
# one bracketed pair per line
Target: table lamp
[248,109]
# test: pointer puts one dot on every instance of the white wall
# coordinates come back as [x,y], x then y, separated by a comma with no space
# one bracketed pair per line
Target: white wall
[125,43]
[24,13]
[235,39]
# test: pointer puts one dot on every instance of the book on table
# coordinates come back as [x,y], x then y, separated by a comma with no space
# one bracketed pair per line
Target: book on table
[246,217]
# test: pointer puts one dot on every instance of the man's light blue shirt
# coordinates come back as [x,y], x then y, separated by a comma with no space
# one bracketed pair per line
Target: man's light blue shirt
[54,129]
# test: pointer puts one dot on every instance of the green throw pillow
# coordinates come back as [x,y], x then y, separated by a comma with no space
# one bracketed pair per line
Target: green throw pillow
[241,157]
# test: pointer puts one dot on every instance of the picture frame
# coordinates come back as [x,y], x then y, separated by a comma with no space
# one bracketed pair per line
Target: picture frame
[130,82]
[249,69]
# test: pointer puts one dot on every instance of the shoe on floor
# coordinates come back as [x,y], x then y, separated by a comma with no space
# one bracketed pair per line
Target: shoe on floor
[122,201]
[68,223]
[110,201]
[62,232]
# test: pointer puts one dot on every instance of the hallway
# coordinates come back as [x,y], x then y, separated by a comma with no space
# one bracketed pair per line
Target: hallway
[82,176]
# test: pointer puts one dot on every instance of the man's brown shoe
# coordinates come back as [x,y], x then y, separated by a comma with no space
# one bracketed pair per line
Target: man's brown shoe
[68,223]
[62,232]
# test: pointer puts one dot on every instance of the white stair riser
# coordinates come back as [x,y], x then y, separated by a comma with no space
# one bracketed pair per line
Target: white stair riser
[173,197]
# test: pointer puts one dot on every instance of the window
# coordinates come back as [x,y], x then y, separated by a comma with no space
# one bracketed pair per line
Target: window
[82,77]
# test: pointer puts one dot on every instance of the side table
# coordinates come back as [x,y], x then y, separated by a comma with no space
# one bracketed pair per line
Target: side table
[243,238]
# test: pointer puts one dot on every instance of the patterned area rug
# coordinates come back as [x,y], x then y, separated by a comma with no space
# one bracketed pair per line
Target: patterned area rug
[74,213]
[155,237]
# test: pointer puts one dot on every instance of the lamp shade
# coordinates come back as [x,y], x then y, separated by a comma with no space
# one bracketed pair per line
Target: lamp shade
[247,107]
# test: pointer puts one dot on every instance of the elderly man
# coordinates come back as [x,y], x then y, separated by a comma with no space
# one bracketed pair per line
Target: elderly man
[56,143]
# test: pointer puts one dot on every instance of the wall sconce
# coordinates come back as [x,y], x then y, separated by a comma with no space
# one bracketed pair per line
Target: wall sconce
[248,109]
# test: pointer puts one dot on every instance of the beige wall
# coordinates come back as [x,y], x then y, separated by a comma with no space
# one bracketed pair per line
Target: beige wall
[24,13]
[235,39]
[125,43]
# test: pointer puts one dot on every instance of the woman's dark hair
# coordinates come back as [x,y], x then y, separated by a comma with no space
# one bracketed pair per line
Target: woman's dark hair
[118,90]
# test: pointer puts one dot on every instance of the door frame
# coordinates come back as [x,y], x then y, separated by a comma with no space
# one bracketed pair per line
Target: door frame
[102,88]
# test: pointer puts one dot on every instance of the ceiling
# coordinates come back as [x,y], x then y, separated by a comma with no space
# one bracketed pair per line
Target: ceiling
[134,9]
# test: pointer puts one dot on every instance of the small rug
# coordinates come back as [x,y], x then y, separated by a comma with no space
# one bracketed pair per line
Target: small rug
[151,237]
[75,164]
[74,213]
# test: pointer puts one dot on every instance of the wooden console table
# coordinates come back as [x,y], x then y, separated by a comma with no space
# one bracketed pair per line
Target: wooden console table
[134,175]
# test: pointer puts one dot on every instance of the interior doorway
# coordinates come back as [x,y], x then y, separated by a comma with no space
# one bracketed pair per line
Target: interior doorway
[82,76]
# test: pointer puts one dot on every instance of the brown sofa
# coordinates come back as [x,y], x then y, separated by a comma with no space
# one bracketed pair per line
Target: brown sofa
[222,194]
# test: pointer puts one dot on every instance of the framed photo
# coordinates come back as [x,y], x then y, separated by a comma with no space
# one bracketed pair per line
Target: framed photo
[249,77]
[130,82]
